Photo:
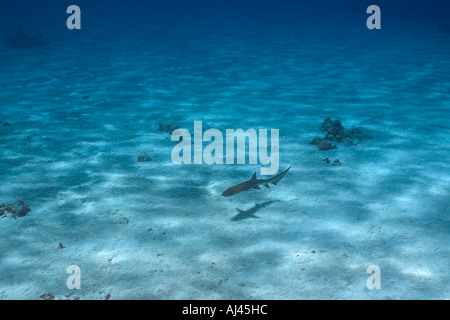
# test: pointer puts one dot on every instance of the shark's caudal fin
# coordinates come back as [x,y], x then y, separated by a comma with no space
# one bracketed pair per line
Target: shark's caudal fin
[280,176]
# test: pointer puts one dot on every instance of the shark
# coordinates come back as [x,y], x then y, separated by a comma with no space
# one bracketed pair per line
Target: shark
[254,183]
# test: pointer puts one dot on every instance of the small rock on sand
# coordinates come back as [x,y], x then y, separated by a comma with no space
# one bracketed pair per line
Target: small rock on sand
[335,163]
[124,220]
[167,127]
[47,296]
[144,158]
[326,145]
[18,209]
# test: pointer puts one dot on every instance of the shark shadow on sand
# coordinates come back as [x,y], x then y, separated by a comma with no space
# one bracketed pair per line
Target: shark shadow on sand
[250,213]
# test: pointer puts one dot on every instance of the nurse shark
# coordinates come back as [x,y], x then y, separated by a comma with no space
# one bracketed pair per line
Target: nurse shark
[254,183]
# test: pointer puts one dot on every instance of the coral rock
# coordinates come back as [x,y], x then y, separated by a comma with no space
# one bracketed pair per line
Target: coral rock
[167,127]
[19,209]
[144,158]
[335,132]
[326,145]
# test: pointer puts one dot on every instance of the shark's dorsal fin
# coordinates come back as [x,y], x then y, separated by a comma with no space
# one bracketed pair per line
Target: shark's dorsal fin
[253,177]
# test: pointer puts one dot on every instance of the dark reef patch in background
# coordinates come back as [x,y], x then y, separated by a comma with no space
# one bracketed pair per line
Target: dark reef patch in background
[335,132]
[25,41]
[15,210]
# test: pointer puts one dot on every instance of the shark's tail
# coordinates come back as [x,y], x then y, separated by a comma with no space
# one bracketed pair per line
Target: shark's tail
[279,176]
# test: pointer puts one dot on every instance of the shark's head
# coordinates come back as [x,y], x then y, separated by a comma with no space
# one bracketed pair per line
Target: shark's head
[228,192]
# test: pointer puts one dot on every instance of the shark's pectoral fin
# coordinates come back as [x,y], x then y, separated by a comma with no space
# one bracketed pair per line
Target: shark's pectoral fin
[267,186]
[275,182]
[257,188]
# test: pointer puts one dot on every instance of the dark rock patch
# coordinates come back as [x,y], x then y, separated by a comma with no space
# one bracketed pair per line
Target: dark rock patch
[124,220]
[355,135]
[336,132]
[326,145]
[316,141]
[334,163]
[15,210]
[47,296]
[167,127]
[23,40]
[144,158]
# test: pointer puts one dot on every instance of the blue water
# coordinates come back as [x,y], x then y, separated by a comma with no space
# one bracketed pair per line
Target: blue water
[77,112]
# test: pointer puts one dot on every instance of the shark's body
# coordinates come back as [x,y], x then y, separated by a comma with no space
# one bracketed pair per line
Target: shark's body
[254,183]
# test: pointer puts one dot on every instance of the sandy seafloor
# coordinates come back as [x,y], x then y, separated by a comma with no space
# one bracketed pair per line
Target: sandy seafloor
[80,115]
